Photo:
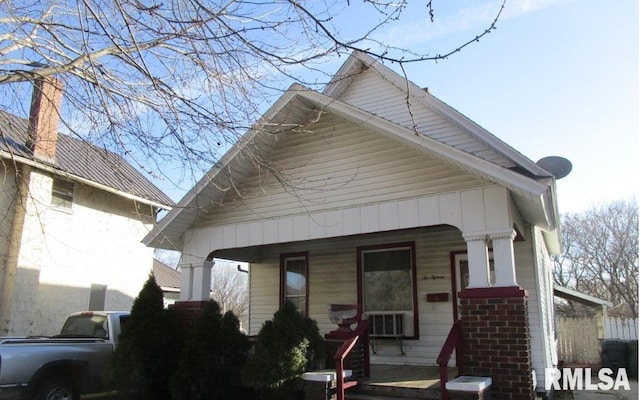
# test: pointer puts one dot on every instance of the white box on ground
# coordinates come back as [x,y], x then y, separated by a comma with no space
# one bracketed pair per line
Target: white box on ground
[325,375]
[465,383]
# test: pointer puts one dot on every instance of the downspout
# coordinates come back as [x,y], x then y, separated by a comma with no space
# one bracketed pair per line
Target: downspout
[23,175]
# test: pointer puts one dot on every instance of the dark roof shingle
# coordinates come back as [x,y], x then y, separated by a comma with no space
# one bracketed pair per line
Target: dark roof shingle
[165,276]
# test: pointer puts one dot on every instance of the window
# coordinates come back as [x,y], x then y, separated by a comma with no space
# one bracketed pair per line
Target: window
[294,283]
[62,194]
[387,284]
[460,270]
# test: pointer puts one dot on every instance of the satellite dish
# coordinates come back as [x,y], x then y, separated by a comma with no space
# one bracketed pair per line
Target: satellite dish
[557,166]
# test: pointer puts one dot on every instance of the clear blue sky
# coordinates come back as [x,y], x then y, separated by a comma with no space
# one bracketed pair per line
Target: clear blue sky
[558,77]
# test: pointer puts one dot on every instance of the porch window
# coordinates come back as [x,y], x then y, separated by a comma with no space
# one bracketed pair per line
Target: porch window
[387,284]
[294,272]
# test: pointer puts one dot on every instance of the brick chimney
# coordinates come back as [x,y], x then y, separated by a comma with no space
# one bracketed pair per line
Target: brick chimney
[44,117]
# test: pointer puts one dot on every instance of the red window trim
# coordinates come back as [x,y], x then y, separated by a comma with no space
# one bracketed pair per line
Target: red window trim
[412,246]
[285,256]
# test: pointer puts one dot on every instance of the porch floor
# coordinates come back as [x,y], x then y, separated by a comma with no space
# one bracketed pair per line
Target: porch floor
[408,381]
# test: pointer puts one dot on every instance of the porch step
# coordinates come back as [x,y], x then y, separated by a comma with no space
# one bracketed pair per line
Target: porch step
[375,392]
[368,396]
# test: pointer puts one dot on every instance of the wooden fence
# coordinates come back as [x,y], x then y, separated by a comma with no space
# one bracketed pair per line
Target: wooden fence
[579,338]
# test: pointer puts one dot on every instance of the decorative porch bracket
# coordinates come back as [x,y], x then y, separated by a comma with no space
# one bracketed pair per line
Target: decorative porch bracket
[478,260]
[504,260]
[503,257]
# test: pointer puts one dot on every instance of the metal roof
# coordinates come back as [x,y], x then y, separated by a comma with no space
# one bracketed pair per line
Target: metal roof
[76,158]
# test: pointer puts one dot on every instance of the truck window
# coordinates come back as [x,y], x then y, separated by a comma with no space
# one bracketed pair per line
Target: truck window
[88,325]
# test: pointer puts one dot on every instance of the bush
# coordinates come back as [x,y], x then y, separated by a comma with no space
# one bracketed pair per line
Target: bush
[213,357]
[147,350]
[285,348]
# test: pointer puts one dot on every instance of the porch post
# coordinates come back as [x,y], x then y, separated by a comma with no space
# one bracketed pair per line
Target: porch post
[194,294]
[505,268]
[201,284]
[186,279]
[478,260]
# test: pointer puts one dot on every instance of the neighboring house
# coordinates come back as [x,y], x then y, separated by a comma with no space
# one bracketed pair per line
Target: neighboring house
[375,192]
[168,279]
[72,219]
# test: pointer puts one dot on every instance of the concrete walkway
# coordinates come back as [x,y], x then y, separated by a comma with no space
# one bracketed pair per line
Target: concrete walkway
[608,394]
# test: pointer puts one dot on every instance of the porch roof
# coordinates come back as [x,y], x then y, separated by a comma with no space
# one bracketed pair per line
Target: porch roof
[574,295]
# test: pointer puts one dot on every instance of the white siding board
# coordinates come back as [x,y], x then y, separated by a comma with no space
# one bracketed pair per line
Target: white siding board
[429,210]
[256,233]
[270,231]
[317,227]
[369,218]
[333,221]
[526,278]
[242,235]
[472,210]
[301,229]
[229,236]
[285,230]
[351,220]
[388,216]
[450,209]
[407,213]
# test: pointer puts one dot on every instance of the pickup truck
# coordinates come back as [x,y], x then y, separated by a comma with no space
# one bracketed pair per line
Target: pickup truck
[63,366]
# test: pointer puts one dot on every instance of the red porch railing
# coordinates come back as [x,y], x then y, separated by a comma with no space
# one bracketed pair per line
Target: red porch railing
[360,333]
[453,342]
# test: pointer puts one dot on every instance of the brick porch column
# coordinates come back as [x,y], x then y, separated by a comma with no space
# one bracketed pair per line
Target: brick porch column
[496,340]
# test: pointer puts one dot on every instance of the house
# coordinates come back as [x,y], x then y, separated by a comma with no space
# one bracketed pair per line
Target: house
[73,217]
[377,193]
[168,279]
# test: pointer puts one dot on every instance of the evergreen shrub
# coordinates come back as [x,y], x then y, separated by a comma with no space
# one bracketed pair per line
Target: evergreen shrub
[148,348]
[285,348]
[213,357]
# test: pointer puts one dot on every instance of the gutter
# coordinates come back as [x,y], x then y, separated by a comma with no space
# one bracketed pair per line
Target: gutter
[85,181]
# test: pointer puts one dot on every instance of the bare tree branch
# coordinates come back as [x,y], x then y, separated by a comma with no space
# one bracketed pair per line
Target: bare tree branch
[600,255]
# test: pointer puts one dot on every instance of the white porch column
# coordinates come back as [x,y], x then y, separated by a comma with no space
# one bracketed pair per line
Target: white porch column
[504,261]
[186,276]
[478,261]
[201,284]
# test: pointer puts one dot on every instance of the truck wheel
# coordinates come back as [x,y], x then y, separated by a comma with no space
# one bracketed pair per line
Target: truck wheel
[57,388]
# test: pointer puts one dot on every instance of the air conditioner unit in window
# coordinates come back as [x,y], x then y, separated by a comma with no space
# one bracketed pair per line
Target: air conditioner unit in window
[390,325]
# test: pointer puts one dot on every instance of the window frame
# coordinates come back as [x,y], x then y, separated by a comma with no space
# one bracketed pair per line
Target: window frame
[56,193]
[411,246]
[283,277]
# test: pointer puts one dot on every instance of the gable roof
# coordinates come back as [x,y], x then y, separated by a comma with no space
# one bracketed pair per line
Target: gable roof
[81,161]
[501,153]
[532,187]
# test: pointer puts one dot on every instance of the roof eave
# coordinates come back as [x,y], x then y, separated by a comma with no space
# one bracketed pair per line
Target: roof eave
[88,182]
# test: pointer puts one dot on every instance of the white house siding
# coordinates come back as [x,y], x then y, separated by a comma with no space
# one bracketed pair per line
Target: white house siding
[532,265]
[371,92]
[98,242]
[337,165]
[546,357]
[8,191]
[333,277]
